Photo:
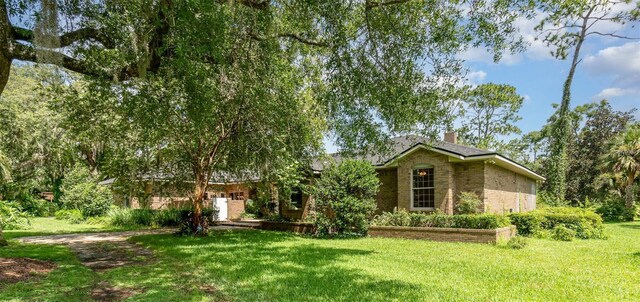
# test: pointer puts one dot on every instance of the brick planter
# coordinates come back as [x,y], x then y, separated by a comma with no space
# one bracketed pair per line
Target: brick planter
[296,227]
[444,234]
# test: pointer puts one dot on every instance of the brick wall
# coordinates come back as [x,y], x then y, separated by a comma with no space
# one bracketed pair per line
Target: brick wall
[506,191]
[387,198]
[444,234]
[469,177]
[444,179]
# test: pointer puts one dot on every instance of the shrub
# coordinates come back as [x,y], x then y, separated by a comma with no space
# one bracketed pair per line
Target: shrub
[345,198]
[562,233]
[168,217]
[12,217]
[75,215]
[527,224]
[81,192]
[586,223]
[517,242]
[124,217]
[468,203]
[37,207]
[396,218]
[466,221]
[613,210]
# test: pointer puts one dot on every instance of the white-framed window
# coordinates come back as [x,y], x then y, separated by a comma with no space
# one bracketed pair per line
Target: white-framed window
[423,188]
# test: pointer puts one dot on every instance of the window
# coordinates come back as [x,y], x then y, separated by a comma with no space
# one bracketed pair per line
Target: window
[296,198]
[422,188]
[236,195]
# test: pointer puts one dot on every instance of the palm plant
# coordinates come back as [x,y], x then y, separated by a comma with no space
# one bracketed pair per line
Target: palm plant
[624,159]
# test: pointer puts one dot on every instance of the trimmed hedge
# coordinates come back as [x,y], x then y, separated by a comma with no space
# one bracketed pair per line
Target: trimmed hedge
[585,223]
[466,221]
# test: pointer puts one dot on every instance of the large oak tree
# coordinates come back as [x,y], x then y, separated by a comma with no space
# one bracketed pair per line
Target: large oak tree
[237,85]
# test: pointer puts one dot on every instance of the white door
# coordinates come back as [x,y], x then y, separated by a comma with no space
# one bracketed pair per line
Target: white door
[220,204]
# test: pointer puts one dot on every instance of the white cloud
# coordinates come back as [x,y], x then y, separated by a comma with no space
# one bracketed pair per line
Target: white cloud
[476,77]
[613,92]
[623,62]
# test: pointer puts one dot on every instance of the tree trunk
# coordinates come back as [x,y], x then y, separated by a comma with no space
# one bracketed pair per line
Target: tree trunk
[629,198]
[198,197]
[5,46]
[557,175]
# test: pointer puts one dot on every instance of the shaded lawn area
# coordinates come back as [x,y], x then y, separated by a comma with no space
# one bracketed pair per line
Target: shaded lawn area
[271,266]
[50,226]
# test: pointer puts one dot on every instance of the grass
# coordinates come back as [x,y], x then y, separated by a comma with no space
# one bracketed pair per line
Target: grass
[272,266]
[49,226]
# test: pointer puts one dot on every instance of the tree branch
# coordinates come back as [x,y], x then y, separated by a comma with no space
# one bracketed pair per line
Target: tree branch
[293,36]
[612,35]
[66,39]
[262,4]
[28,53]
[374,4]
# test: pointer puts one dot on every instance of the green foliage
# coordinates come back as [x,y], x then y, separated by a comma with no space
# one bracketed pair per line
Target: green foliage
[517,242]
[623,159]
[590,143]
[468,203]
[586,223]
[562,233]
[81,192]
[37,207]
[12,216]
[491,111]
[614,210]
[74,216]
[464,221]
[565,26]
[527,224]
[124,217]
[345,198]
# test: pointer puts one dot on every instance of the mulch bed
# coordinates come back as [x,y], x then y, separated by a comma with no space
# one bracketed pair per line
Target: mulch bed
[14,270]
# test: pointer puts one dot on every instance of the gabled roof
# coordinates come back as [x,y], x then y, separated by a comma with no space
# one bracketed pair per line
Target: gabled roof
[403,145]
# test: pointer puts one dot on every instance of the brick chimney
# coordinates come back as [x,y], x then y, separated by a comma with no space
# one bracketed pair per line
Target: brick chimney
[451,137]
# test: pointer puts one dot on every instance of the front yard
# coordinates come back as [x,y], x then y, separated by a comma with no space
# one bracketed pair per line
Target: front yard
[271,266]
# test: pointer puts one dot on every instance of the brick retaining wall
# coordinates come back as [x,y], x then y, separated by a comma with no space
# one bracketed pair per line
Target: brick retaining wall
[444,234]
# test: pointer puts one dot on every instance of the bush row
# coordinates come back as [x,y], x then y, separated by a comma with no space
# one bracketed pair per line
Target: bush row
[124,217]
[465,221]
[585,223]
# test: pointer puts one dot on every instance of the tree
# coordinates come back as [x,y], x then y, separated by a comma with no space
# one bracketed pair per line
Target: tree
[589,144]
[345,198]
[241,85]
[491,110]
[31,134]
[566,26]
[624,158]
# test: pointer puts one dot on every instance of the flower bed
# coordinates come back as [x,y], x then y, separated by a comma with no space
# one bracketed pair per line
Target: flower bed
[444,234]
[295,227]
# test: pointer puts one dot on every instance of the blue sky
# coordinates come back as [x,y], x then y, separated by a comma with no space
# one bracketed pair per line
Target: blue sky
[610,69]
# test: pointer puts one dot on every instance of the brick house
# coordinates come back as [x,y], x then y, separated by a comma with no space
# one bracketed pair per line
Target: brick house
[228,196]
[422,176]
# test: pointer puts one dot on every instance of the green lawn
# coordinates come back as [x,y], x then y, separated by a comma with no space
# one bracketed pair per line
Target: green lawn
[49,226]
[270,266]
